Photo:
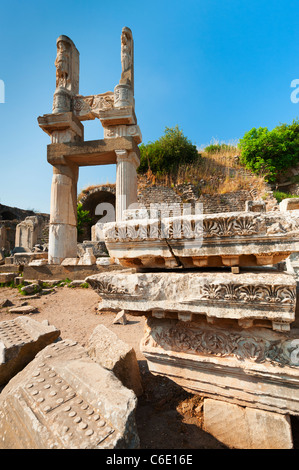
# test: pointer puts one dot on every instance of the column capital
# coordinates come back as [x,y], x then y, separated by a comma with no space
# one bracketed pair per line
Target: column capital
[125,156]
[62,127]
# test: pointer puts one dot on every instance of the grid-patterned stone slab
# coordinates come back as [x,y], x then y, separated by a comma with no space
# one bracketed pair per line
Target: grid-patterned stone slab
[20,340]
[67,401]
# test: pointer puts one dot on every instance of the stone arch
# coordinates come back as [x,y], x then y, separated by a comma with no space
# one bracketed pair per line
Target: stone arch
[90,198]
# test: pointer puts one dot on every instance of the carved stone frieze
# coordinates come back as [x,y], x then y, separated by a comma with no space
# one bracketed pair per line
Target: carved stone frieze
[203,339]
[228,239]
[266,296]
[257,367]
[89,107]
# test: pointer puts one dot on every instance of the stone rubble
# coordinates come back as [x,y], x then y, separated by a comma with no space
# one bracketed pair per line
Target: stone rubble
[228,336]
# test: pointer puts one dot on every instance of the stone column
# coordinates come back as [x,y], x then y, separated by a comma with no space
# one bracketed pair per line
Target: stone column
[126,181]
[63,214]
[63,128]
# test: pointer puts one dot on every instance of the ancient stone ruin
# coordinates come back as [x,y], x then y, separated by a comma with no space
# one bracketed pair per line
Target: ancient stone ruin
[220,317]
[68,150]
[67,399]
[218,291]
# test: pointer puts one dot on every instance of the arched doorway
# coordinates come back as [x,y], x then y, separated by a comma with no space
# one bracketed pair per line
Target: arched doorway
[90,199]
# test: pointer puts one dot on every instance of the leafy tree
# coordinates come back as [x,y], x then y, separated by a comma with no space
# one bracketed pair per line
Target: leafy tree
[167,153]
[271,153]
[82,218]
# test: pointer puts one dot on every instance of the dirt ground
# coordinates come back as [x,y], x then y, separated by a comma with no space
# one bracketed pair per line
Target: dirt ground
[167,416]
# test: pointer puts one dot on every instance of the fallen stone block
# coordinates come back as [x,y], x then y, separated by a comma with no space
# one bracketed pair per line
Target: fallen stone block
[114,354]
[289,204]
[23,309]
[67,401]
[18,280]
[205,240]
[46,291]
[254,367]
[88,258]
[31,288]
[5,278]
[70,262]
[38,262]
[23,259]
[264,296]
[105,261]
[20,340]
[247,428]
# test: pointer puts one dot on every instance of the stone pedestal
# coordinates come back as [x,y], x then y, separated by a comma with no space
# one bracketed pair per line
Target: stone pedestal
[126,181]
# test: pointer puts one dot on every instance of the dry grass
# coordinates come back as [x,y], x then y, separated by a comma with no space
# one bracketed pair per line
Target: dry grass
[219,172]
[214,173]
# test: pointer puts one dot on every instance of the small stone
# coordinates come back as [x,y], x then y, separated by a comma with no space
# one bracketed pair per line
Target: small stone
[5,303]
[120,318]
[23,310]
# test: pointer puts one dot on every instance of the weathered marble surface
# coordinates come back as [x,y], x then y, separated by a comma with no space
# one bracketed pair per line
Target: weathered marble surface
[20,340]
[113,354]
[257,367]
[208,240]
[248,428]
[266,296]
[67,401]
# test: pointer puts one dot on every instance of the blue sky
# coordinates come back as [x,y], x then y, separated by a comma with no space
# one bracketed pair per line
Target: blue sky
[216,68]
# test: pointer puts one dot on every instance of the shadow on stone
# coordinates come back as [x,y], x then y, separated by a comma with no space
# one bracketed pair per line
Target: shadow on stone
[172,414]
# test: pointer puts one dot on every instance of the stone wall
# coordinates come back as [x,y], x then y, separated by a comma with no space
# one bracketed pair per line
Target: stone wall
[212,203]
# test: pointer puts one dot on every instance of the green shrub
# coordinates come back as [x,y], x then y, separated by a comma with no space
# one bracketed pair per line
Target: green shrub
[279,195]
[213,148]
[270,153]
[167,153]
[82,218]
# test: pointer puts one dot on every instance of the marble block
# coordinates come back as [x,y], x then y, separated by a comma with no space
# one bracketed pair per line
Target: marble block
[20,340]
[256,368]
[205,240]
[267,297]
[67,401]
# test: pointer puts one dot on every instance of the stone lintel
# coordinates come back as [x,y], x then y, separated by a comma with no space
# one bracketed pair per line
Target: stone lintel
[88,107]
[50,123]
[94,152]
[116,116]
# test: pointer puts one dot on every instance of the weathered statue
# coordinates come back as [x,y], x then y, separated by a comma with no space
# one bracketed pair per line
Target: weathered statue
[127,57]
[126,50]
[67,74]
[62,63]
